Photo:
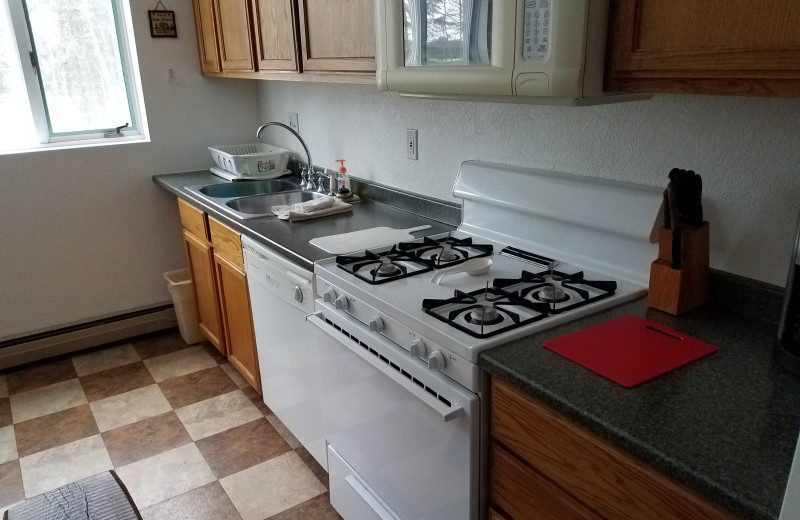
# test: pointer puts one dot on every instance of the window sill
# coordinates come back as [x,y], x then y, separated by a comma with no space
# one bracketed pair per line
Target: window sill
[71,145]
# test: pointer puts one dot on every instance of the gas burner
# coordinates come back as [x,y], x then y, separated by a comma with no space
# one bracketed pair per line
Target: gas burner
[560,291]
[381,266]
[447,251]
[387,268]
[484,315]
[550,294]
[485,312]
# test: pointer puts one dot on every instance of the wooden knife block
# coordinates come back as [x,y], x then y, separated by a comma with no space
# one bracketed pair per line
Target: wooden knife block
[679,290]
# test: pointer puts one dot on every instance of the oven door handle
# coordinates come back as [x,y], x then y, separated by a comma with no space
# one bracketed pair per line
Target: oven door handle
[447,413]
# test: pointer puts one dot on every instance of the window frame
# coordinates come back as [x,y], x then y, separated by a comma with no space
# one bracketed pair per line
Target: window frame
[23,36]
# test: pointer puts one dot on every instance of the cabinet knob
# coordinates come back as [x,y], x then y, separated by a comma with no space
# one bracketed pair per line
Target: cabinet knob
[417,348]
[436,361]
[376,324]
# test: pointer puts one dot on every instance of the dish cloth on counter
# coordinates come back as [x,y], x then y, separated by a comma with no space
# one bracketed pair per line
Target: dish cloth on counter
[312,209]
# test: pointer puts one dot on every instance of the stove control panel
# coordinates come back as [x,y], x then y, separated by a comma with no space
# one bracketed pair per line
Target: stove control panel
[409,340]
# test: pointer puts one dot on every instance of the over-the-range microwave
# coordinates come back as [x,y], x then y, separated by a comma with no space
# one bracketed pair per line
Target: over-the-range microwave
[540,51]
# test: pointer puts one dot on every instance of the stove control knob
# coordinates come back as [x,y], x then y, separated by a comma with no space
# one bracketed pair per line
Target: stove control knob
[329,296]
[298,294]
[417,348]
[341,303]
[436,360]
[376,324]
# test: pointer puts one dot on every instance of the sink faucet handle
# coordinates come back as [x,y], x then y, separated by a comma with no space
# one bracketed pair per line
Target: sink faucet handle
[321,178]
[303,177]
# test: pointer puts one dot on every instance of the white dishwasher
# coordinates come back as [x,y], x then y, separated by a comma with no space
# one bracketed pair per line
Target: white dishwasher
[281,295]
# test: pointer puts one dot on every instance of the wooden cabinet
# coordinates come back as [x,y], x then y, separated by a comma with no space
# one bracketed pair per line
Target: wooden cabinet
[214,252]
[735,47]
[234,300]
[206,35]
[275,34]
[543,467]
[233,35]
[338,36]
[267,39]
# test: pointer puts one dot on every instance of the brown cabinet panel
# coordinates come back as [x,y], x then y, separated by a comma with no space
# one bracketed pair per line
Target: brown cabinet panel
[605,479]
[226,242]
[201,265]
[233,34]
[206,35]
[715,46]
[193,219]
[275,30]
[235,301]
[338,36]
[526,495]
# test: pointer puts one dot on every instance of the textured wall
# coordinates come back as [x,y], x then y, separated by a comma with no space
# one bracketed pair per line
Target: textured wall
[747,151]
[86,233]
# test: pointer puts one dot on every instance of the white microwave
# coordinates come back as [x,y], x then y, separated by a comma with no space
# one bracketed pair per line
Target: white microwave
[533,50]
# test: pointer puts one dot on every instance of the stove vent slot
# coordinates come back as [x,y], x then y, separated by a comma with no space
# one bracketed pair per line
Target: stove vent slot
[391,364]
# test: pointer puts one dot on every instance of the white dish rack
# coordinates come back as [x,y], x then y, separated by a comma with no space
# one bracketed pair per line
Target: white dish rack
[249,161]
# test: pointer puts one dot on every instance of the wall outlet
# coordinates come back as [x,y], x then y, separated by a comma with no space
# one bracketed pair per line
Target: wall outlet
[294,124]
[411,144]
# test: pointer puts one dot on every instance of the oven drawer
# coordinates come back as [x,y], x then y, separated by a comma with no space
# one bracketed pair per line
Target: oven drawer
[350,496]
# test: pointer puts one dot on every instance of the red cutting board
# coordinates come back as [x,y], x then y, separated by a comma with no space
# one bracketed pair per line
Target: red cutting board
[630,350]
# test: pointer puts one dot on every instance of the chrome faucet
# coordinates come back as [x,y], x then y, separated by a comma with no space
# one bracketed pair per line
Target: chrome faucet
[308,154]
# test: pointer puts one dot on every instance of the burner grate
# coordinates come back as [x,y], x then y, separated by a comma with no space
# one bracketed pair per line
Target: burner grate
[560,291]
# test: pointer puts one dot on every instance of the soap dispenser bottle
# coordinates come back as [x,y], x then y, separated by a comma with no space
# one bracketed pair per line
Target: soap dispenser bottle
[344,180]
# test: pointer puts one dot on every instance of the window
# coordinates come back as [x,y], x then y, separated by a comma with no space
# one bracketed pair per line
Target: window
[67,72]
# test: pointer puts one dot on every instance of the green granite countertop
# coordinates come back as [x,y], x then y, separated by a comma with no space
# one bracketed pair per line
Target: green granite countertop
[725,426]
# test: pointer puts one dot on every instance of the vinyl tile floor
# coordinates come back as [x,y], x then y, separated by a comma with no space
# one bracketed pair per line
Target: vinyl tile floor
[183,430]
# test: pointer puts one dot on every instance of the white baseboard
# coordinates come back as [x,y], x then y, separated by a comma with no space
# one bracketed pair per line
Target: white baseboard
[91,336]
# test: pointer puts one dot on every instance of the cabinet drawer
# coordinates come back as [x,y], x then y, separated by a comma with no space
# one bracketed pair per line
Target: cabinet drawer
[526,495]
[227,242]
[604,478]
[193,219]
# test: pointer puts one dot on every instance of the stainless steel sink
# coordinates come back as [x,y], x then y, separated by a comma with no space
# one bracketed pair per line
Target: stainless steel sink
[246,188]
[253,199]
[259,205]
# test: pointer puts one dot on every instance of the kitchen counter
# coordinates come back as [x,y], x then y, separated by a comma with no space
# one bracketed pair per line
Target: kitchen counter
[725,426]
[290,239]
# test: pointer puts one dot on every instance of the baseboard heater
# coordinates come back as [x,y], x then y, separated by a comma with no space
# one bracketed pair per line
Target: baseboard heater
[65,340]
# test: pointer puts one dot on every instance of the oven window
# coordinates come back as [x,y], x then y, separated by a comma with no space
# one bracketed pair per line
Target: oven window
[447,32]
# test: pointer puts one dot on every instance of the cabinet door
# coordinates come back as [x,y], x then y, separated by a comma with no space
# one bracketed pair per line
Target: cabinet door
[233,34]
[201,263]
[275,29]
[338,36]
[206,35]
[736,47]
[235,300]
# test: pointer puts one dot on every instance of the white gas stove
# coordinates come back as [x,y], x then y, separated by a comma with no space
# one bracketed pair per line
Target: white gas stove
[403,397]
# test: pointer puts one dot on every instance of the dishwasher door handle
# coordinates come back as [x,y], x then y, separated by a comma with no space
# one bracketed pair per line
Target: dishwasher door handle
[447,413]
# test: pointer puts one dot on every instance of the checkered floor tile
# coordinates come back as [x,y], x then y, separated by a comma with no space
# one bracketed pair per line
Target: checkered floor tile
[185,433]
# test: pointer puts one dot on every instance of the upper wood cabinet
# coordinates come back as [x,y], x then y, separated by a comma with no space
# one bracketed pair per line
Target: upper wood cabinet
[735,47]
[206,35]
[338,36]
[233,35]
[275,32]
[255,38]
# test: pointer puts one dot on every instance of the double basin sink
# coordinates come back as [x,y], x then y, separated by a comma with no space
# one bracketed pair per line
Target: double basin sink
[253,199]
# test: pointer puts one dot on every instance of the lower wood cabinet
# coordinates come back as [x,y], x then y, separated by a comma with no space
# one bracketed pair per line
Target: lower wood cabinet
[544,467]
[214,252]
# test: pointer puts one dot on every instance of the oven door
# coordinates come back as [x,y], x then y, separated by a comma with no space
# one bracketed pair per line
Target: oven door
[407,436]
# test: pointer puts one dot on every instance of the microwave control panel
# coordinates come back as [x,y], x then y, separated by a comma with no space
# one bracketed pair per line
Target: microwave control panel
[536,30]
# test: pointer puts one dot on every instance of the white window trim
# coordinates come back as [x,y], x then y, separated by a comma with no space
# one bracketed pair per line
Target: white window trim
[133,84]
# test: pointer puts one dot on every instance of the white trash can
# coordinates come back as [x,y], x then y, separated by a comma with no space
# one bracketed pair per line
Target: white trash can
[180,288]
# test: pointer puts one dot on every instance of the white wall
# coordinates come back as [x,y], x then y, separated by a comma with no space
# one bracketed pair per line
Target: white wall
[85,232]
[747,150]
